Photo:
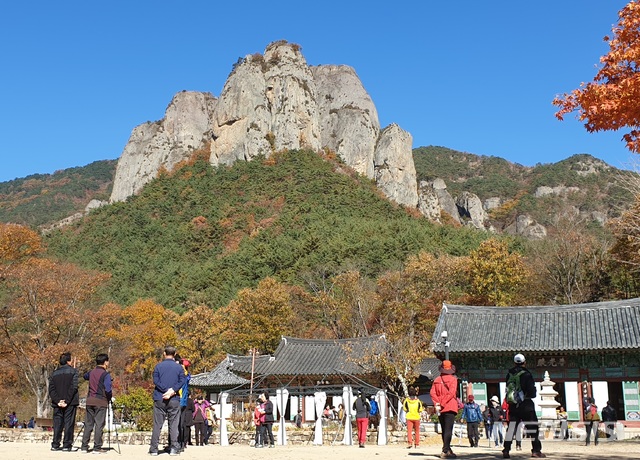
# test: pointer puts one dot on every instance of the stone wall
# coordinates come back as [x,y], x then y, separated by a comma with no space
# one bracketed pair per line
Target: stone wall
[294,436]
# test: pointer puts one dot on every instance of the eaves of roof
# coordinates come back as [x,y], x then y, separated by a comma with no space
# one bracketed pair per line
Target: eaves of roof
[601,326]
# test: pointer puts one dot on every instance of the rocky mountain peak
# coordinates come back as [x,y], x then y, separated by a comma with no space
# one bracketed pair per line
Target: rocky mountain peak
[273,102]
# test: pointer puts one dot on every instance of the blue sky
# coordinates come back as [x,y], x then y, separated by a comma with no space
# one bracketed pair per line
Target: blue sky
[475,76]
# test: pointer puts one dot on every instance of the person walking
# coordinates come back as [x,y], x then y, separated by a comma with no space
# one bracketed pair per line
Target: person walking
[609,418]
[362,408]
[63,392]
[444,395]
[592,420]
[98,397]
[497,417]
[521,390]
[486,419]
[413,407]
[473,416]
[168,379]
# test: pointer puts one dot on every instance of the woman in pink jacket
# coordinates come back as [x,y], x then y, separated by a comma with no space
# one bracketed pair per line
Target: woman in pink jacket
[444,395]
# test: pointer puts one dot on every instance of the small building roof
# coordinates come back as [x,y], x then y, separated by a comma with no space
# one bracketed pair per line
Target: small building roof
[296,356]
[429,367]
[613,325]
[219,377]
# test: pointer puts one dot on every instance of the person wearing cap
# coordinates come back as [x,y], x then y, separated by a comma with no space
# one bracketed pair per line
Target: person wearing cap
[362,408]
[497,417]
[473,416]
[444,395]
[523,412]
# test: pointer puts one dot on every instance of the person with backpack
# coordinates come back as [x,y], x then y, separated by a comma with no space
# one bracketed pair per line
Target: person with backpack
[473,416]
[444,395]
[521,390]
[591,419]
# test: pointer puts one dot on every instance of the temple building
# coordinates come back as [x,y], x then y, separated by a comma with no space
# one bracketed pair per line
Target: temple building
[304,368]
[588,350]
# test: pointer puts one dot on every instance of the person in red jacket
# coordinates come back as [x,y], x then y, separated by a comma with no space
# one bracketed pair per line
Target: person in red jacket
[444,395]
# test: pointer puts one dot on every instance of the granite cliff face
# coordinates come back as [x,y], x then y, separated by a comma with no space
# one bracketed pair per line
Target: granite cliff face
[274,102]
[164,143]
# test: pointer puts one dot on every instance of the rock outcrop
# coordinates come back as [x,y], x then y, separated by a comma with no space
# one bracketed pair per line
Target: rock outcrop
[434,199]
[163,143]
[349,121]
[470,208]
[527,227]
[269,103]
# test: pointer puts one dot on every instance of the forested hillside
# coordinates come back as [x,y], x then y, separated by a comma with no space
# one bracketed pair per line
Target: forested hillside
[198,235]
[592,185]
[42,199]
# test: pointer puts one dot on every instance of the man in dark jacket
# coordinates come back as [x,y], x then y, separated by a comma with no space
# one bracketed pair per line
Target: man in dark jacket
[267,430]
[98,399]
[609,417]
[523,411]
[63,392]
[168,378]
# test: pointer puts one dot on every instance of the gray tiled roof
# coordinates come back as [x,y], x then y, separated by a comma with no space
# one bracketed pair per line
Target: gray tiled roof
[219,377]
[429,367]
[611,325]
[312,357]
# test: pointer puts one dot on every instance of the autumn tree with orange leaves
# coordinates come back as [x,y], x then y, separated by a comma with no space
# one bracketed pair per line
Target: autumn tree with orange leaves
[17,243]
[139,334]
[610,102]
[46,310]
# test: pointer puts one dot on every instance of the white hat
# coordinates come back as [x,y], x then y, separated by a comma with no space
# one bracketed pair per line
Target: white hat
[519,358]
[495,399]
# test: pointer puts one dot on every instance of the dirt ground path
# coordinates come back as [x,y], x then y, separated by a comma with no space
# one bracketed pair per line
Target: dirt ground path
[557,450]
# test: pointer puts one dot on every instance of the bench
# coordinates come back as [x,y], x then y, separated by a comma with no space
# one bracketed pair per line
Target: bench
[45,423]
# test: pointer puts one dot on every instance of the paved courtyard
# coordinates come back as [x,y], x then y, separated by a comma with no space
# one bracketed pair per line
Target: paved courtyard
[557,450]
